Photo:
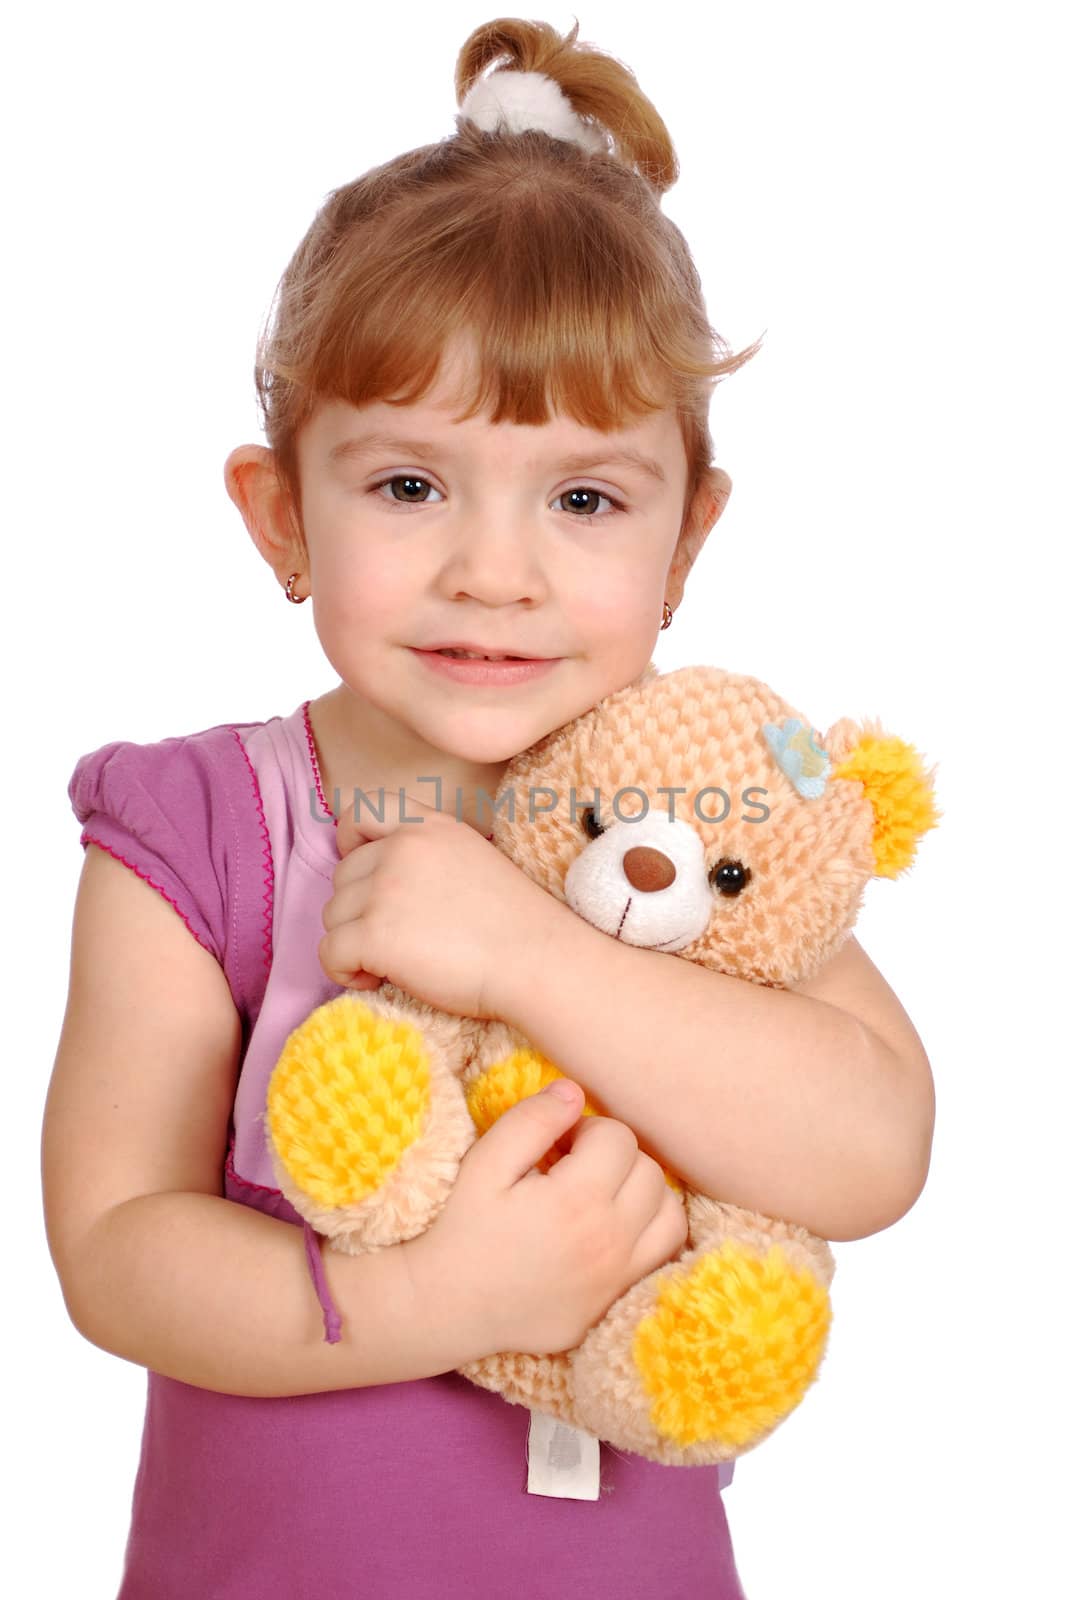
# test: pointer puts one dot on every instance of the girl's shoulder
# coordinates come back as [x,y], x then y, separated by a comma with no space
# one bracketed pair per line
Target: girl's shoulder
[143,782]
[184,813]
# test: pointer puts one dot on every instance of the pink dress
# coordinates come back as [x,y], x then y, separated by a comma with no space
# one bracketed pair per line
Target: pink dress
[414,1489]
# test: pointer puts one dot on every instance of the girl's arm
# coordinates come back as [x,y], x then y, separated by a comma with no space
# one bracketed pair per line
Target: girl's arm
[155,1265]
[815,1104]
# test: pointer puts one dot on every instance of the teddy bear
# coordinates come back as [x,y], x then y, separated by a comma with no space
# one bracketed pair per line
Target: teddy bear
[697,813]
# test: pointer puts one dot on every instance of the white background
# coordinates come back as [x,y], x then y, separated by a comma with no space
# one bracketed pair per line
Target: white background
[882,188]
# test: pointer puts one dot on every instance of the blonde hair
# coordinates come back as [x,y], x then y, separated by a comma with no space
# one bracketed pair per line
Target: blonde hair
[580,293]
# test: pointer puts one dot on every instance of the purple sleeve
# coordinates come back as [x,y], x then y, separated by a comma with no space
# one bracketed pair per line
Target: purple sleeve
[143,804]
[185,815]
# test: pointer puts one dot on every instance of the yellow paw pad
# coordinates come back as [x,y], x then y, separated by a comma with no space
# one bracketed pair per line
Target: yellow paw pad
[732,1345]
[348,1097]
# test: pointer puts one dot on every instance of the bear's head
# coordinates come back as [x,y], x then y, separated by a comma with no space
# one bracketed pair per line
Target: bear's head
[697,813]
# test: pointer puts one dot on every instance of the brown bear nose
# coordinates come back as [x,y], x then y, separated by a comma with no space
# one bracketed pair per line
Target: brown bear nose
[648,869]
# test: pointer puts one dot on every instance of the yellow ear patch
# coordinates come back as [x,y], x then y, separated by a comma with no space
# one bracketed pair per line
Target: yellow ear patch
[900,792]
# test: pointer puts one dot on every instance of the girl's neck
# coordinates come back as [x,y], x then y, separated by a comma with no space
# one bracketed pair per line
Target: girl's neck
[357,748]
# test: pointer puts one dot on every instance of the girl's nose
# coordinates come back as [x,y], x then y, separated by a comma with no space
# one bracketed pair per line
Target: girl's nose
[496,563]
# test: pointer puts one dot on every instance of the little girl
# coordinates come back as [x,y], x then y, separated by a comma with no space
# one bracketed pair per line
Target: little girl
[485,390]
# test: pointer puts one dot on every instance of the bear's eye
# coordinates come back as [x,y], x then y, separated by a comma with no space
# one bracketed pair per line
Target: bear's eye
[729,877]
[590,822]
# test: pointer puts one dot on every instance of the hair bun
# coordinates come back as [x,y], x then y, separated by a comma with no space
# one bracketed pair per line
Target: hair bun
[602,105]
[517,101]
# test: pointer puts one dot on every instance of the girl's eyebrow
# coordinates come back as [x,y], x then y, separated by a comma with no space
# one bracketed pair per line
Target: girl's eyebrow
[579,461]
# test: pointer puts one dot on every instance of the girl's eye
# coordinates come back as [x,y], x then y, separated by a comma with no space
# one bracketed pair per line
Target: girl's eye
[586,501]
[411,487]
[413,492]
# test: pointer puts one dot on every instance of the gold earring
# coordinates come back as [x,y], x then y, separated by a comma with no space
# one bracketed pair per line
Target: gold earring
[298,599]
[667,614]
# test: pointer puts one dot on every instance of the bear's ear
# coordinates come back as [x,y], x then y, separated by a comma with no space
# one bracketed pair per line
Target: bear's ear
[899,788]
[844,735]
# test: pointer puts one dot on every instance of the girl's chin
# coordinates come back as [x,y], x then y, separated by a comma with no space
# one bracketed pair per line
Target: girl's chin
[496,743]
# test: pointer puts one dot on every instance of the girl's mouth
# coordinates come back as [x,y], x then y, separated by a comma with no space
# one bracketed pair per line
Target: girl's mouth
[478,655]
[480,670]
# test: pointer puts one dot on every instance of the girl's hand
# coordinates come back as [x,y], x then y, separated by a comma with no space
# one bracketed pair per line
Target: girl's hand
[431,906]
[528,1261]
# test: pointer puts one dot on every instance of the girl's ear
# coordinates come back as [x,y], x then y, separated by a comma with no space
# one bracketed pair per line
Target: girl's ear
[708,503]
[258,492]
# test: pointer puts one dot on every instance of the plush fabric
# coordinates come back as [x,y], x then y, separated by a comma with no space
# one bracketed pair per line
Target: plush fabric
[700,814]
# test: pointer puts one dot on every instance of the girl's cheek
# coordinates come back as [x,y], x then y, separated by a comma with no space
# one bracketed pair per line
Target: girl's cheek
[611,607]
[370,590]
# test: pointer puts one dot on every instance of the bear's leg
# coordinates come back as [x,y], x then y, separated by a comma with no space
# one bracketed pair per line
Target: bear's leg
[704,1357]
[366,1119]
[542,1383]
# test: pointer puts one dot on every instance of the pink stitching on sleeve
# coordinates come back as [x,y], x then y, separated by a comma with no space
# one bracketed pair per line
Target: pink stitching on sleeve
[88,838]
[268,897]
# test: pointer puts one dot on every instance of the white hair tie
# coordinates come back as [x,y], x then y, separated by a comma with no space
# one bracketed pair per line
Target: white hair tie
[519,100]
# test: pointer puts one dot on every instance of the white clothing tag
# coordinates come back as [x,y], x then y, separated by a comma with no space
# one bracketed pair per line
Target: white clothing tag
[562,1460]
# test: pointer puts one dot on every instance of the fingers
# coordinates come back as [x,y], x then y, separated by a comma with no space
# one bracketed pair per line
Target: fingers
[519,1139]
[603,1150]
[646,1197]
[641,1192]
[358,865]
[665,1235]
[347,903]
[341,953]
[378,816]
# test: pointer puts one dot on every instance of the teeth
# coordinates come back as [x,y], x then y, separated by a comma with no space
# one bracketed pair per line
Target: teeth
[471,655]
